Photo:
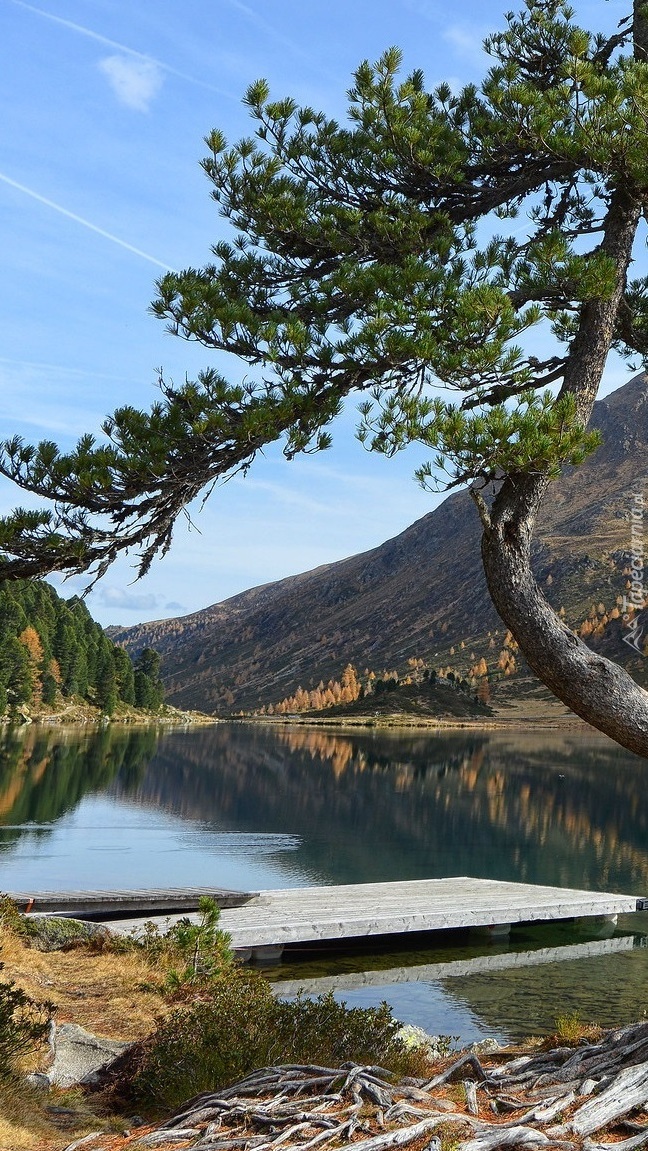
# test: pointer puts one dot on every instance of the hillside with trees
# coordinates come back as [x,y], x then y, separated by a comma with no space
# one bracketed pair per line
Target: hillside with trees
[418,691]
[423,595]
[52,654]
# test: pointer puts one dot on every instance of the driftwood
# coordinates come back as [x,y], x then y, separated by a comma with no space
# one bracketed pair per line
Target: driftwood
[470,1088]
[550,1101]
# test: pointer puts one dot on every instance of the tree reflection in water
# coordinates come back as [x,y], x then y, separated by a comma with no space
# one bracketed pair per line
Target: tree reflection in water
[554,807]
[45,773]
[566,809]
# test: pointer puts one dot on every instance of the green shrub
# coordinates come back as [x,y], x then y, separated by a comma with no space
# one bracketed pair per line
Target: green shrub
[10,917]
[208,1043]
[191,955]
[240,1026]
[330,1033]
[23,1023]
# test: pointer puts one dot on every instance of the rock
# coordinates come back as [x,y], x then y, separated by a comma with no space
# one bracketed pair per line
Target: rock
[54,933]
[485,1046]
[436,1046]
[39,1080]
[79,1055]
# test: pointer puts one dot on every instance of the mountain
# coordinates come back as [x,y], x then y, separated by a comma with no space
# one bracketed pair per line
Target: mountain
[420,594]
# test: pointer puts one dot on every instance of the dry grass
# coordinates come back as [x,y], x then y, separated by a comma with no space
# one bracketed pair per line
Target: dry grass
[104,992]
[26,1126]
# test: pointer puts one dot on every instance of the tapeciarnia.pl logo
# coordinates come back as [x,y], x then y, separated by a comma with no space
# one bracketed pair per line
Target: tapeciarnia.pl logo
[636,593]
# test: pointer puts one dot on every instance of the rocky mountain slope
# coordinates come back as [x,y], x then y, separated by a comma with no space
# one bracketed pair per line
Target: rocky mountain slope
[420,594]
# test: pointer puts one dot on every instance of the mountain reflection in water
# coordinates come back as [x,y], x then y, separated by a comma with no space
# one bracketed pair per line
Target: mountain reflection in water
[247,805]
[555,808]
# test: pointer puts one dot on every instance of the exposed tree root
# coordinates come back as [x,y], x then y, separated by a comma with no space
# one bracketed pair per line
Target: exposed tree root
[591,1090]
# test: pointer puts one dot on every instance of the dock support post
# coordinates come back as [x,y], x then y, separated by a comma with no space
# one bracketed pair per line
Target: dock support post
[493,931]
[270,953]
[600,926]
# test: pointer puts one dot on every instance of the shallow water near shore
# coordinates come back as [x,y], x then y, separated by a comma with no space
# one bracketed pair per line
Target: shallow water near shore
[249,806]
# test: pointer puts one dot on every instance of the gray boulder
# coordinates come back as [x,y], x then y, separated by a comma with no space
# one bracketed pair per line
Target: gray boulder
[78,1056]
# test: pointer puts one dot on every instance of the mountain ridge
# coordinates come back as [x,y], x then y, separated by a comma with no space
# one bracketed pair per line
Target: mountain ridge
[416,595]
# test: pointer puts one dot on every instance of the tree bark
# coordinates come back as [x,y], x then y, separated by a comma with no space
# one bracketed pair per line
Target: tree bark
[599,691]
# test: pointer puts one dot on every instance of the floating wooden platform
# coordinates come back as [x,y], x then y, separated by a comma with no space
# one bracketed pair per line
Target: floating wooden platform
[267,922]
[109,903]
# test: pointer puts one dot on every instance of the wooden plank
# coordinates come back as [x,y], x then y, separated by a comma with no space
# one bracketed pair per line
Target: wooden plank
[108,903]
[301,915]
[454,968]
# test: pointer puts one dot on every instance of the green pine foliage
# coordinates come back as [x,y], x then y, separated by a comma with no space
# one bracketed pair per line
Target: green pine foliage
[148,690]
[52,650]
[412,257]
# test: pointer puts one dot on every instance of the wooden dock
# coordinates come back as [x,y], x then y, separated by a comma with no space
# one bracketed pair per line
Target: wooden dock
[266,922]
[106,904]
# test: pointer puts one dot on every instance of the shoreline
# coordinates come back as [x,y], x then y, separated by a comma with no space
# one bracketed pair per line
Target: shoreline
[86,718]
[399,721]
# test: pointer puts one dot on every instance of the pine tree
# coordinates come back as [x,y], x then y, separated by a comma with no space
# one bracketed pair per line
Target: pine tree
[49,688]
[106,689]
[20,680]
[48,645]
[124,675]
[30,640]
[380,258]
[149,692]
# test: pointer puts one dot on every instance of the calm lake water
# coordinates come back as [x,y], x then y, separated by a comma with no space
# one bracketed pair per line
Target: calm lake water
[251,807]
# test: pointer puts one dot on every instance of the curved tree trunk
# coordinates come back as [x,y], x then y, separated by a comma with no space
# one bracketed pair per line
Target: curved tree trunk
[598,690]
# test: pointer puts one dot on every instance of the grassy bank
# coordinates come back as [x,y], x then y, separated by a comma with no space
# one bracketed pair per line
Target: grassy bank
[196,1019]
[238,1068]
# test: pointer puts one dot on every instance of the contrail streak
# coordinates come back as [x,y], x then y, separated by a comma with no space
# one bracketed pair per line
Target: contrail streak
[270,30]
[83,31]
[85,223]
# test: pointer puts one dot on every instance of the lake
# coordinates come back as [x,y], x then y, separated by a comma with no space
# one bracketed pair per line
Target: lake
[249,806]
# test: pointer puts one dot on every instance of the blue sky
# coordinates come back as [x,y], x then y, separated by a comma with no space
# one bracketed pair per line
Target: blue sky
[104,106]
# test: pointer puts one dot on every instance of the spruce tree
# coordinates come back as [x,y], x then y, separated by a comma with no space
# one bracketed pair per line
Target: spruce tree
[385,258]
[47,644]
[106,685]
[148,686]
[124,675]
[20,681]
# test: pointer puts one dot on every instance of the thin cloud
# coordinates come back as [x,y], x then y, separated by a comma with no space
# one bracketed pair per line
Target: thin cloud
[467,42]
[62,369]
[134,82]
[282,493]
[57,407]
[120,598]
[124,48]
[80,220]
